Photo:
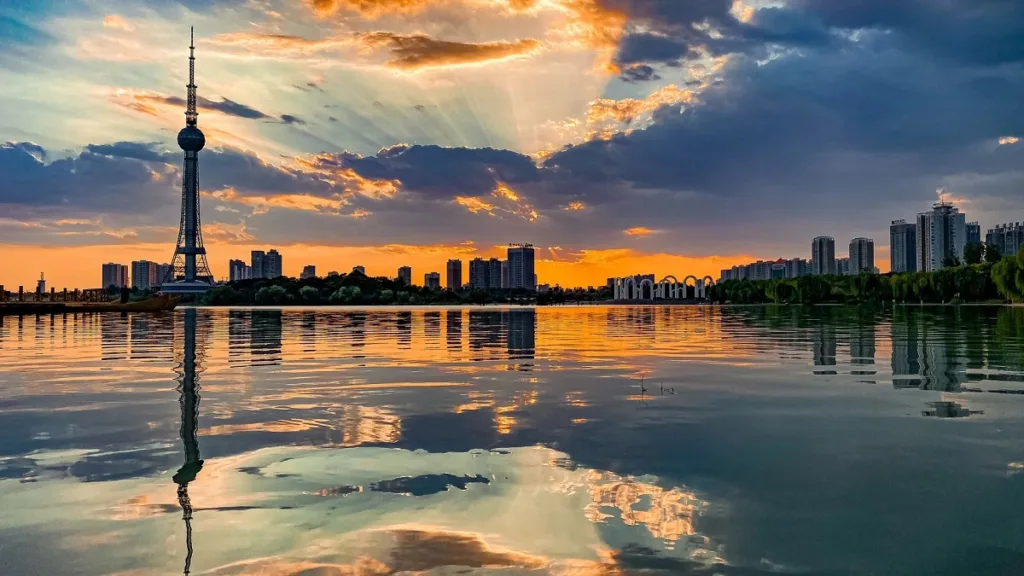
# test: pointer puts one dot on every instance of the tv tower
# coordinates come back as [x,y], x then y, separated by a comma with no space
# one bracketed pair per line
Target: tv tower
[189,271]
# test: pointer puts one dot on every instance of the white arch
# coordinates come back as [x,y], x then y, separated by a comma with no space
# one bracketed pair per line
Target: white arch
[627,289]
[705,283]
[668,287]
[640,288]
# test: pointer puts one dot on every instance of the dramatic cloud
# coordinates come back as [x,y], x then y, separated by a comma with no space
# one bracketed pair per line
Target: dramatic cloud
[725,127]
[420,51]
[147,103]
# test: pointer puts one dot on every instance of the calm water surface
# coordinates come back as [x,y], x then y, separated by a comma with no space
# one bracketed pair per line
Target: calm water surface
[575,441]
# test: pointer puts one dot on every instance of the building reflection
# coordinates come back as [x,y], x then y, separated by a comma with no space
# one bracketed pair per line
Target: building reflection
[308,331]
[403,322]
[862,345]
[113,337]
[824,347]
[453,330]
[237,338]
[522,335]
[355,326]
[432,328]
[189,368]
[265,337]
[924,356]
[139,328]
[948,410]
[486,336]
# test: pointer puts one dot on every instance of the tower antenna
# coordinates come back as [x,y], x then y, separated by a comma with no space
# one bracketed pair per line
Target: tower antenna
[191,116]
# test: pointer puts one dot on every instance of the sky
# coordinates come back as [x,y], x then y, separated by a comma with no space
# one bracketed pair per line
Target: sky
[617,136]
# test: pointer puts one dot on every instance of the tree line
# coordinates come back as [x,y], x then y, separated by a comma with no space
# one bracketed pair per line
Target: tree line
[358,289]
[985,276]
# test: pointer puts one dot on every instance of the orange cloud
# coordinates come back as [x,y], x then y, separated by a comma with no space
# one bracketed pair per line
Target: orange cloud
[280,43]
[575,206]
[1006,140]
[419,51]
[638,231]
[626,110]
[262,204]
[376,8]
[475,205]
[501,190]
[327,165]
[115,21]
[368,8]
[517,206]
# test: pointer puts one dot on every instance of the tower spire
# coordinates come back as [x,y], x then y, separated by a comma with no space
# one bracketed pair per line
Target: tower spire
[191,115]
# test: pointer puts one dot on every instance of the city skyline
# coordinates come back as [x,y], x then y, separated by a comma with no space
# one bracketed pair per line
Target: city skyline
[343,132]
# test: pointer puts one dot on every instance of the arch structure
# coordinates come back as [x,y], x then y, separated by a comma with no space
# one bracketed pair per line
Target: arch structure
[669,288]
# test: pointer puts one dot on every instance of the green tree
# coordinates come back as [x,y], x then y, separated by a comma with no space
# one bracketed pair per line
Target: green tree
[386,297]
[973,253]
[309,295]
[1008,276]
[992,254]
[222,296]
[271,296]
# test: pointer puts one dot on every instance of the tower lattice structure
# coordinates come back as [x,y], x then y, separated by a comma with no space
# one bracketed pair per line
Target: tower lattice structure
[189,262]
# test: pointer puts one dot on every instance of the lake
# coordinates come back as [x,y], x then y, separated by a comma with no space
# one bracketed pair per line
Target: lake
[564,440]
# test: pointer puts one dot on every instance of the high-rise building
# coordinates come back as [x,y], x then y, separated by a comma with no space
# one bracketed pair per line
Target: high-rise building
[973,232]
[454,277]
[258,264]
[308,271]
[164,271]
[506,278]
[941,237]
[823,256]
[494,274]
[902,247]
[273,265]
[238,270]
[360,269]
[843,266]
[41,284]
[778,269]
[1007,238]
[521,267]
[479,274]
[333,274]
[144,275]
[405,275]
[190,271]
[797,267]
[115,275]
[862,255]
[432,280]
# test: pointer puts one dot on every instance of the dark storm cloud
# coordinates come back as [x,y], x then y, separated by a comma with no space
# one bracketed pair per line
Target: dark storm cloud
[224,106]
[639,73]
[767,123]
[136,150]
[440,172]
[972,31]
[88,181]
[645,47]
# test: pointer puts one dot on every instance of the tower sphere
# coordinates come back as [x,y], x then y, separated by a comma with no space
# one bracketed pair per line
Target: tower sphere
[191,139]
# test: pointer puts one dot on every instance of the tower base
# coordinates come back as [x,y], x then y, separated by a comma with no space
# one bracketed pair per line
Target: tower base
[185,287]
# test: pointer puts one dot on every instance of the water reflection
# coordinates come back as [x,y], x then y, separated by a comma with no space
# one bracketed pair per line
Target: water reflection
[366,442]
[188,399]
[949,410]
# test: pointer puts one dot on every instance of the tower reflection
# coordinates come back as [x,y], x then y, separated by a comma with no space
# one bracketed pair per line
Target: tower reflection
[188,398]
